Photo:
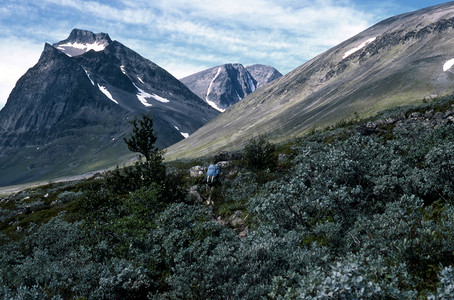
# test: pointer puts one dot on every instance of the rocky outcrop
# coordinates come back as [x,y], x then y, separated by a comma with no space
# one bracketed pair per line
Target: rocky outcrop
[429,118]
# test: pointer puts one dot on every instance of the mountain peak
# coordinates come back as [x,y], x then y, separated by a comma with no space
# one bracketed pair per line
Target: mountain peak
[225,85]
[49,53]
[81,41]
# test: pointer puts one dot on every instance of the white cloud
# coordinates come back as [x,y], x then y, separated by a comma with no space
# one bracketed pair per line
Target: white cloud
[297,30]
[184,36]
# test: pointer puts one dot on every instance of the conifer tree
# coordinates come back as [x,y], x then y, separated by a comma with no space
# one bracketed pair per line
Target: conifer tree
[143,138]
[143,141]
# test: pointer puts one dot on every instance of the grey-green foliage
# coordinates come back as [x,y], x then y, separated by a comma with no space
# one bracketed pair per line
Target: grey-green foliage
[344,281]
[67,196]
[360,194]
[356,217]
[46,258]
[439,161]
[446,288]
[259,154]
[25,293]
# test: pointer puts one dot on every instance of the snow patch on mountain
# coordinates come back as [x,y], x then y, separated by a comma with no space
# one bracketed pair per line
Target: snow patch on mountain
[211,103]
[214,105]
[448,64]
[160,99]
[104,90]
[251,83]
[123,70]
[142,95]
[239,98]
[88,75]
[81,48]
[184,134]
[351,51]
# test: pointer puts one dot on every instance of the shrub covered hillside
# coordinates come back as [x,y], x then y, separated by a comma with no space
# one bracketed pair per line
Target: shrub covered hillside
[362,210]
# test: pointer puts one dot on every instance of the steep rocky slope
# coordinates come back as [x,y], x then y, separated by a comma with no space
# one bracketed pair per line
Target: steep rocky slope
[404,59]
[68,113]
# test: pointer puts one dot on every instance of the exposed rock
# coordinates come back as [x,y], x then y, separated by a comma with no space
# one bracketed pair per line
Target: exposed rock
[429,114]
[220,221]
[235,220]
[197,171]
[429,118]
[416,115]
[194,192]
[283,157]
[243,233]
[263,74]
[222,164]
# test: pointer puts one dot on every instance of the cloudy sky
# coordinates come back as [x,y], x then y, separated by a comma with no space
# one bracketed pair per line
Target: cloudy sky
[187,36]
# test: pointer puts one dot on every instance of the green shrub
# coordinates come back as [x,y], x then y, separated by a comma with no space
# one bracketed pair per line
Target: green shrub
[259,154]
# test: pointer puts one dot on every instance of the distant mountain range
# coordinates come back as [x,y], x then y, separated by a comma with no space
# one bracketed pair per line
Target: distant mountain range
[225,85]
[401,60]
[68,114]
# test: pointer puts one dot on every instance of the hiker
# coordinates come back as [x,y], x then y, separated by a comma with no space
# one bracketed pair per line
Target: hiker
[212,179]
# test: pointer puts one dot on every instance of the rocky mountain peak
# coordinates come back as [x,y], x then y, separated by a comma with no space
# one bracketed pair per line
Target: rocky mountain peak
[49,53]
[82,41]
[70,110]
[86,36]
[225,85]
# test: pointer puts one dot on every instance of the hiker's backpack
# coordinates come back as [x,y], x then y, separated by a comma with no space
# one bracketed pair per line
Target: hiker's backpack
[213,174]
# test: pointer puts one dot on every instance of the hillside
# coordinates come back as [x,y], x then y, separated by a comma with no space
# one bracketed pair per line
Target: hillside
[401,60]
[363,210]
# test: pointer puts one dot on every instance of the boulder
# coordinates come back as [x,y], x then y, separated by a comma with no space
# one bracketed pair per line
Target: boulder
[222,164]
[243,233]
[283,157]
[235,220]
[197,171]
[194,192]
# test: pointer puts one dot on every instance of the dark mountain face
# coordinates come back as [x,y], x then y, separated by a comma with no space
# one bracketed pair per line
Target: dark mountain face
[225,85]
[67,115]
[402,60]
[48,100]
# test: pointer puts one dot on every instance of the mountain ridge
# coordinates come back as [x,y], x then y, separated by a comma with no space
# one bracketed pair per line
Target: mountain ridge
[397,61]
[68,113]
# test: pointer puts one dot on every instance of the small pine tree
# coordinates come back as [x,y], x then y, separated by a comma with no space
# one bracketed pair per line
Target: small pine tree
[143,141]
[143,138]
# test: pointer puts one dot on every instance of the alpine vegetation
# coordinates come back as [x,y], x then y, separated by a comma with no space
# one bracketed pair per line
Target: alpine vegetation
[364,209]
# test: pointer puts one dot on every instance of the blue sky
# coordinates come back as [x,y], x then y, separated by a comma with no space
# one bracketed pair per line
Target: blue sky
[187,36]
